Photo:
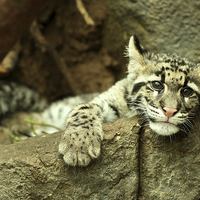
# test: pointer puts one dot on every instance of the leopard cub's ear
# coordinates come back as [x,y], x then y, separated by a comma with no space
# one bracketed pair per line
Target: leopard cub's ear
[134,48]
[135,53]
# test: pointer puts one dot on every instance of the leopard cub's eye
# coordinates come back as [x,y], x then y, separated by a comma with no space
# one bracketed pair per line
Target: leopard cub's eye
[187,91]
[156,85]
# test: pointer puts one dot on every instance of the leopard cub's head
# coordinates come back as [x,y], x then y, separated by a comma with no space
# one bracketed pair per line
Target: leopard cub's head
[164,89]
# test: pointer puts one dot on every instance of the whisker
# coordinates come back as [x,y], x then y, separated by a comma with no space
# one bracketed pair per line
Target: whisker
[189,124]
[170,138]
[184,128]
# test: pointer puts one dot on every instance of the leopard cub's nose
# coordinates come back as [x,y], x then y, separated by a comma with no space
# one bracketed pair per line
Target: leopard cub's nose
[169,112]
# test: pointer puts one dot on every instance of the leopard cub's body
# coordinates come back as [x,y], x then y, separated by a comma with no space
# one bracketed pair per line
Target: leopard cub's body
[163,88]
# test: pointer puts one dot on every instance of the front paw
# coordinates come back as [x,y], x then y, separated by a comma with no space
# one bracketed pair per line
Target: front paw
[81,144]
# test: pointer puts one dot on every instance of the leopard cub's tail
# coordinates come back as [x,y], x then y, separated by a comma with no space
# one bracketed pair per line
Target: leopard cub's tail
[15,97]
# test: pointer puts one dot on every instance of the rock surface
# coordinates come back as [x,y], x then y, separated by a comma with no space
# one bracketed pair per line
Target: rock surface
[162,26]
[170,167]
[34,169]
[136,164]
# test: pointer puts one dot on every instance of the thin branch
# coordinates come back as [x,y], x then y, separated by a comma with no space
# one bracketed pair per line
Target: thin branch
[42,124]
[84,13]
[15,138]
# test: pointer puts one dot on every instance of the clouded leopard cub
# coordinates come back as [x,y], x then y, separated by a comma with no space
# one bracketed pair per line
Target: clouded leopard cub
[163,88]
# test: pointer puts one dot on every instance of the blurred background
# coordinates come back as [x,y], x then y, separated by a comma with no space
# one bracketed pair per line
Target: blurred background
[77,46]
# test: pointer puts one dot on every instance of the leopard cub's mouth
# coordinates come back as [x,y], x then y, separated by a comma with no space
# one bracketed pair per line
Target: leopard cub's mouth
[163,128]
[166,122]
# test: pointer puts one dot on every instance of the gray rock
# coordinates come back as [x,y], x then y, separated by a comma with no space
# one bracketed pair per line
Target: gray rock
[34,169]
[136,164]
[170,167]
[163,26]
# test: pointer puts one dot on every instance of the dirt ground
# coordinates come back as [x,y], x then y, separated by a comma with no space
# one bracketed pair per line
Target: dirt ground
[75,59]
